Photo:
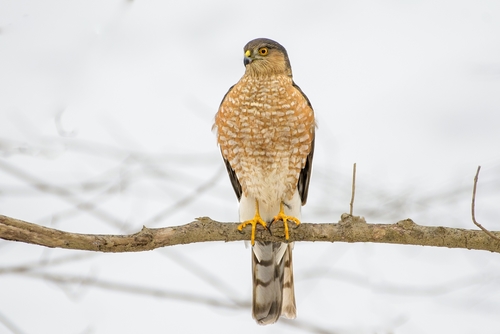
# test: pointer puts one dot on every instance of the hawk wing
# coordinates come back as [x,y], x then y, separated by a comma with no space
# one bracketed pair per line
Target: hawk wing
[234,179]
[230,171]
[305,173]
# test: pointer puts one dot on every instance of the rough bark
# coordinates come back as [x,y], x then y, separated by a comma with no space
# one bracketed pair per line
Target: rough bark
[348,229]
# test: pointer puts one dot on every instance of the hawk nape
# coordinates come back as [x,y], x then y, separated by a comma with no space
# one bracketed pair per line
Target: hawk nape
[265,130]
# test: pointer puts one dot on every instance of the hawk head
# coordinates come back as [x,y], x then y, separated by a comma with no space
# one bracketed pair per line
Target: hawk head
[266,57]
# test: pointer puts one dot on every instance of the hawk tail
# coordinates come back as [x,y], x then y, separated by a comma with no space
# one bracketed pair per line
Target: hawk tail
[273,293]
[288,309]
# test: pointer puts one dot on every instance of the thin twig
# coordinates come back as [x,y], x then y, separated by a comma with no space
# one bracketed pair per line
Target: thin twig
[473,207]
[353,191]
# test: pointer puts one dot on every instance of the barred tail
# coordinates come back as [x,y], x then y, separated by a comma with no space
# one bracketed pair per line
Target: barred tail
[273,293]
[288,308]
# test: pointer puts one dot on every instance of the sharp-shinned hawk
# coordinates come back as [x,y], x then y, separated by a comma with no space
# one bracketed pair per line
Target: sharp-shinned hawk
[265,130]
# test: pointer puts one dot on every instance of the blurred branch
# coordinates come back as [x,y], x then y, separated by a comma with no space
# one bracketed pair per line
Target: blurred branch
[203,273]
[10,325]
[184,201]
[31,266]
[401,289]
[62,193]
[137,289]
[349,229]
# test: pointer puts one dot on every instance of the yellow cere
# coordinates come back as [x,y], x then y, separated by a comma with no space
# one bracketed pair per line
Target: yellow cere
[247,53]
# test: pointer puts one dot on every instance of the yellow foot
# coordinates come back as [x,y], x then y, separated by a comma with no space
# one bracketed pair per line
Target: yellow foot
[256,220]
[281,216]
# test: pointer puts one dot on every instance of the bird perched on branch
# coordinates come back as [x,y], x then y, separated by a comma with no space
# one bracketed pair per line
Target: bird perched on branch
[265,130]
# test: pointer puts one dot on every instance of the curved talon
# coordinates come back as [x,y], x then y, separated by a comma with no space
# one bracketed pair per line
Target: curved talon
[283,217]
[256,220]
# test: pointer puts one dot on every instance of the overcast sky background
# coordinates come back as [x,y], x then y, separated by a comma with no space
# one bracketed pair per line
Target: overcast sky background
[111,103]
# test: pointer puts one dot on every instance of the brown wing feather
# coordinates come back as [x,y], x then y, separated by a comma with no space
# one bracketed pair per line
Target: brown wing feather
[305,173]
[230,171]
[305,176]
[234,179]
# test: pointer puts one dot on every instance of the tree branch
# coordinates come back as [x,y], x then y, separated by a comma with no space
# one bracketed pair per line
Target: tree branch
[348,229]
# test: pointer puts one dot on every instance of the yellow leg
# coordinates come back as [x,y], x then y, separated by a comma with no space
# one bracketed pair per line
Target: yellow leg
[281,216]
[256,220]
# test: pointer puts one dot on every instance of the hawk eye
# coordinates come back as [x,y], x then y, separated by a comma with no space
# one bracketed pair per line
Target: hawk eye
[263,51]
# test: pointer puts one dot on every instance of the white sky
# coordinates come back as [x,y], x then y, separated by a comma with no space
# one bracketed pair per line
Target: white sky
[409,90]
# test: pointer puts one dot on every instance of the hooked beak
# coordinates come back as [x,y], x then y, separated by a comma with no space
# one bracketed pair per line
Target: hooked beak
[247,60]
